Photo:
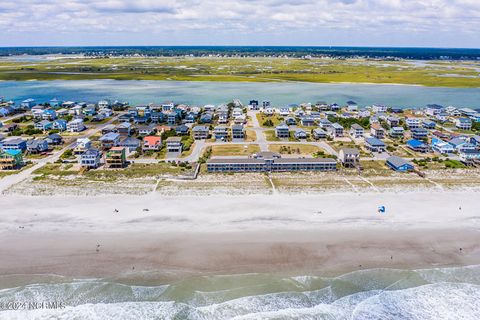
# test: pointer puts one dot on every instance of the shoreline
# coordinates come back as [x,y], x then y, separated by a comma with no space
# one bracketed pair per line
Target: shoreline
[184,236]
[170,257]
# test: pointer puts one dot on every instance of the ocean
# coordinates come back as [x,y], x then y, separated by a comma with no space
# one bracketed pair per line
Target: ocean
[205,92]
[438,293]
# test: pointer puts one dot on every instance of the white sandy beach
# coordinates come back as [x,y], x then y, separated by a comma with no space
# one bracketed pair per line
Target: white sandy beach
[337,232]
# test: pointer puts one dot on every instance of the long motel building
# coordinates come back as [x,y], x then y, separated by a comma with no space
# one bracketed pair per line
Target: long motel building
[270,162]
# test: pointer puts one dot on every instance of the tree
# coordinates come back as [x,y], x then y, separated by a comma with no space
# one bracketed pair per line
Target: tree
[268,123]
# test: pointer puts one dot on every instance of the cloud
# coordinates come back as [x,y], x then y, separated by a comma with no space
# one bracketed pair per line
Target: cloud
[193,20]
[139,6]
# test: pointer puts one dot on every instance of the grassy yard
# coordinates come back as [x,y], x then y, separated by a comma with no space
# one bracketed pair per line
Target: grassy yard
[274,119]
[297,149]
[250,135]
[234,150]
[4,173]
[136,170]
[270,135]
[337,145]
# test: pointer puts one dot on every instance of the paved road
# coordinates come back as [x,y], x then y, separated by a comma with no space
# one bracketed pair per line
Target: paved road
[261,141]
[6,119]
[259,131]
[13,179]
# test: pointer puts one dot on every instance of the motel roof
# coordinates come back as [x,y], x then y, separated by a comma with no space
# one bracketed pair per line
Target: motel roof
[262,161]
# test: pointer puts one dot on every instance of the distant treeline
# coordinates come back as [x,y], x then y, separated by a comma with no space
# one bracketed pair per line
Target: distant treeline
[334,52]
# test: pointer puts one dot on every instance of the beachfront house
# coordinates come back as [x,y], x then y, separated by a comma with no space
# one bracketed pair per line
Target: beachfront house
[377,108]
[356,131]
[307,121]
[14,144]
[191,117]
[10,159]
[124,129]
[253,105]
[152,143]
[75,125]
[131,144]
[377,131]
[5,111]
[475,140]
[206,117]
[109,140]
[108,128]
[469,155]
[90,158]
[463,123]
[349,157]
[374,119]
[54,139]
[76,110]
[200,132]
[182,130]
[221,133]
[290,121]
[440,146]
[396,132]
[419,134]
[393,121]
[104,104]
[418,146]
[300,134]
[55,103]
[375,145]
[43,125]
[37,145]
[27,103]
[49,114]
[335,130]
[282,131]
[461,144]
[334,107]
[433,109]
[319,133]
[145,130]
[399,164]
[90,110]
[116,157]
[174,145]
[60,125]
[428,124]
[82,145]
[413,123]
[442,117]
[352,106]
[238,132]
[172,118]
[9,127]
[363,113]
[324,123]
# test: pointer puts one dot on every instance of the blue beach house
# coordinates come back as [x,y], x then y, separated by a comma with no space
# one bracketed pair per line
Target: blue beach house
[399,164]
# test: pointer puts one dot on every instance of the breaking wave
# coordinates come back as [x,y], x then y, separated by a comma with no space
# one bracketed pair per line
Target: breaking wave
[442,293]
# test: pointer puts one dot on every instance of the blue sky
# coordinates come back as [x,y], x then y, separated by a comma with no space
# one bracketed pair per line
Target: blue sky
[427,23]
